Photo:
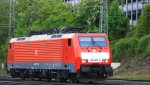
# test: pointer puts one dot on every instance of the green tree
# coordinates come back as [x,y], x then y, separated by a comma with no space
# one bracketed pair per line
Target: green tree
[118,23]
[87,13]
[3,20]
[4,9]
[43,14]
[143,24]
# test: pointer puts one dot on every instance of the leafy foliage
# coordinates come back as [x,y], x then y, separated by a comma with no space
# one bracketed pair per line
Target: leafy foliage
[3,20]
[3,28]
[88,14]
[118,23]
[125,49]
[143,24]
[43,14]
[48,14]
[140,40]
[143,44]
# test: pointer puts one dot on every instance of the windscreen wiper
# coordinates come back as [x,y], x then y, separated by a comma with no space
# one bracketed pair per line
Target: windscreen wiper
[97,45]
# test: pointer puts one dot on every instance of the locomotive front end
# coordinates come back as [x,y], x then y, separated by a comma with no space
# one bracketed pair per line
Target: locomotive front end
[96,57]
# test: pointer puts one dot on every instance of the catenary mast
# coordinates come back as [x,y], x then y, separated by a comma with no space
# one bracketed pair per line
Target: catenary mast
[103,18]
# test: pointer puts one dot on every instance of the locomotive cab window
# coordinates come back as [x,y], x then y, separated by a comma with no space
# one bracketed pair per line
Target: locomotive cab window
[69,42]
[99,41]
[85,41]
[92,41]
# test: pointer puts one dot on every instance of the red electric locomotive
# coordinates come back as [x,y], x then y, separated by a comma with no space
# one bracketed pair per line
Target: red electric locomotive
[60,56]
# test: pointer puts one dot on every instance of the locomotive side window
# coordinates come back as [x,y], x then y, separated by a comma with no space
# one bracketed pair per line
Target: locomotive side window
[99,41]
[85,41]
[69,42]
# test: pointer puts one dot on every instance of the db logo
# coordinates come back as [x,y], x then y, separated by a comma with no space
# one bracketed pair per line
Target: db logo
[36,52]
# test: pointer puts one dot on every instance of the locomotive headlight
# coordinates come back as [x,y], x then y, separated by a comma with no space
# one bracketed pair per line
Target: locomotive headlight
[84,61]
[94,50]
[105,60]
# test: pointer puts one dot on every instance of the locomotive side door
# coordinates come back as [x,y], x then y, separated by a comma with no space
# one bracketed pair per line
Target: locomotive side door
[68,51]
[10,59]
[11,52]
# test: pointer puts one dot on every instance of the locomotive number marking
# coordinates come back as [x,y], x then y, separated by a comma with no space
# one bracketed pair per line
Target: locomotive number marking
[95,60]
[36,52]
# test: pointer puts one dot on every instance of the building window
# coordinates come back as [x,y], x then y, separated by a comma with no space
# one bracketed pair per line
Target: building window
[67,0]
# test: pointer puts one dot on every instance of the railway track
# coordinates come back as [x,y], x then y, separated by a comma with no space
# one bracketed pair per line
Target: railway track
[7,80]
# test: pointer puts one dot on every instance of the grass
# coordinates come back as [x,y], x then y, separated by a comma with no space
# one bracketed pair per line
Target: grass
[138,77]
[133,71]
[134,76]
[3,72]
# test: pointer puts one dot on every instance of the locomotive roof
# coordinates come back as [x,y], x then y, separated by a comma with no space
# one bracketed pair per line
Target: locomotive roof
[43,37]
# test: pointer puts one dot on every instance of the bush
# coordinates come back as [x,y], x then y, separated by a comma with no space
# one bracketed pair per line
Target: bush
[147,52]
[3,51]
[125,49]
[144,45]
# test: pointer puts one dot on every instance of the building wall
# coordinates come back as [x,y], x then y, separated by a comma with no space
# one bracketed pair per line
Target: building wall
[133,8]
[71,1]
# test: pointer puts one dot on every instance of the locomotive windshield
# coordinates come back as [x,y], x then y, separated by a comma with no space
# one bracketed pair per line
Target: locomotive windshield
[85,41]
[92,41]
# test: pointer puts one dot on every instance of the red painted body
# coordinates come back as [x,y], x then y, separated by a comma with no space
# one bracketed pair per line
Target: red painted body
[55,50]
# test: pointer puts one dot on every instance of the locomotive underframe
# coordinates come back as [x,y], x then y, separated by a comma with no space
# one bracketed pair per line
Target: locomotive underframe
[95,71]
[85,71]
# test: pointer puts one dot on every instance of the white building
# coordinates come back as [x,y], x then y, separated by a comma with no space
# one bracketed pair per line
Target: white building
[133,8]
[71,1]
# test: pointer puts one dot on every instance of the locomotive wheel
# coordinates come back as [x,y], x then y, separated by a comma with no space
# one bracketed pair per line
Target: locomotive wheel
[48,79]
[90,80]
[12,73]
[73,81]
[58,80]
[86,80]
[32,78]
[23,75]
[39,79]
[23,78]
[63,80]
